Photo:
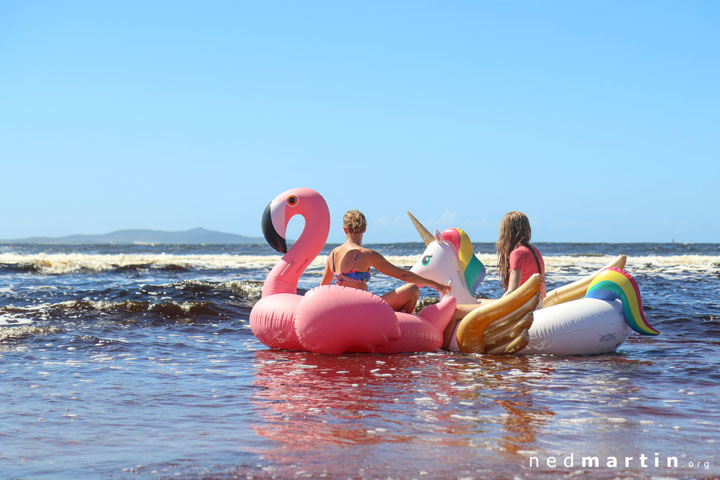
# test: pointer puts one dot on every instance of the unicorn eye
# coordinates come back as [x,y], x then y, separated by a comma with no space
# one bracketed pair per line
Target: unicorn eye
[426,259]
[292,200]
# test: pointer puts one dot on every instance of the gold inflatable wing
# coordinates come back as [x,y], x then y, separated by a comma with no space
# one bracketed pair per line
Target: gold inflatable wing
[501,327]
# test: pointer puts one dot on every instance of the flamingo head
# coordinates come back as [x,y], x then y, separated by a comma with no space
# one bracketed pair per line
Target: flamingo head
[297,201]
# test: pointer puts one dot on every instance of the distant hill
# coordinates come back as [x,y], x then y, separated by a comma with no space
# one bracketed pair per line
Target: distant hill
[188,237]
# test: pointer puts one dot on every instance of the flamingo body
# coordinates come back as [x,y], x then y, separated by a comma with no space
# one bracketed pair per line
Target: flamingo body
[422,332]
[330,318]
[336,319]
[272,320]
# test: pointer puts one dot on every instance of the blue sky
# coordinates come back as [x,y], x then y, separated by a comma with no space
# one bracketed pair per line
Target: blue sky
[600,120]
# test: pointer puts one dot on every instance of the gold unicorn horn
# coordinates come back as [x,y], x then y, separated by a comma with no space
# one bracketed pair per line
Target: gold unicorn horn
[427,237]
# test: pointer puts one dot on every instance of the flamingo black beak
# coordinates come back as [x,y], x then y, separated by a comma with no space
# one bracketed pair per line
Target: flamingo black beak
[273,238]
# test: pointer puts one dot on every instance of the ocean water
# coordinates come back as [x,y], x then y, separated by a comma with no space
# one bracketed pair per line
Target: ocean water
[138,362]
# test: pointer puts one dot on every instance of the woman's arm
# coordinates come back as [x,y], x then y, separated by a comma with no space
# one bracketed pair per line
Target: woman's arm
[327,273]
[383,266]
[513,280]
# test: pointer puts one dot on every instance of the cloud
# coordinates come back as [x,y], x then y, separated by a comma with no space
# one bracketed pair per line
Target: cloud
[447,218]
[450,219]
[388,221]
[475,222]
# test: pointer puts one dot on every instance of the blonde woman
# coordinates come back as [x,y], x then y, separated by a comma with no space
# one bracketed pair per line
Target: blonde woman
[350,265]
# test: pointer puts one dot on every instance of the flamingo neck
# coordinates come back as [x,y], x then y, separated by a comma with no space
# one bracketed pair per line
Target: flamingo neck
[284,276]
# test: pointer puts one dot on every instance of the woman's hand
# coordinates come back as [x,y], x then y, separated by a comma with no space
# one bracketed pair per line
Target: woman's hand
[387,268]
[442,289]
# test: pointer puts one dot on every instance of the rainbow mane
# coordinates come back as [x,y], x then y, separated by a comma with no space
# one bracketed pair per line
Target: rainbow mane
[473,269]
[614,283]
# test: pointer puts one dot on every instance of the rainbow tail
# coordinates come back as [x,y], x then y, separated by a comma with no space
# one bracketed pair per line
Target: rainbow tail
[614,283]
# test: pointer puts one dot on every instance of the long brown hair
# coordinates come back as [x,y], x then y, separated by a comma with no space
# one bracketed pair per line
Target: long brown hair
[514,231]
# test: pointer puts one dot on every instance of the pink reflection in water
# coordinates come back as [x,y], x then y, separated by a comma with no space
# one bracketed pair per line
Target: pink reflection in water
[370,415]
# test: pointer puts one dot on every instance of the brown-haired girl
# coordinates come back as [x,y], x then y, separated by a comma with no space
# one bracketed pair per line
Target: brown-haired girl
[518,260]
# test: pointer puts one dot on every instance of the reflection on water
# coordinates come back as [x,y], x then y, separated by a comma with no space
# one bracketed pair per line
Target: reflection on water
[469,416]
[321,406]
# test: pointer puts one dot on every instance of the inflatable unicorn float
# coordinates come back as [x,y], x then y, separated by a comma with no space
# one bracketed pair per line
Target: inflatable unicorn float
[593,315]
[334,319]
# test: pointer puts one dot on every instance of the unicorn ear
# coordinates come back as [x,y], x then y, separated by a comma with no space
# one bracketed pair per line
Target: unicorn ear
[438,237]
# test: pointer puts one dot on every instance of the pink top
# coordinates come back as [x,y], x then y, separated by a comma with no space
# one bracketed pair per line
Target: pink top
[523,259]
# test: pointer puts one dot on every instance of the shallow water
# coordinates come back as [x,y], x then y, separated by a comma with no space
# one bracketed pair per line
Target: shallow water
[138,362]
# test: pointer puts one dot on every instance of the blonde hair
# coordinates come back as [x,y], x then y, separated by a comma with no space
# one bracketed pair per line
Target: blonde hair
[514,231]
[354,221]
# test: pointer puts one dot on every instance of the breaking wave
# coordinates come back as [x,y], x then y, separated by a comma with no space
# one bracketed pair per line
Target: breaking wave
[25,331]
[64,263]
[185,301]
[57,264]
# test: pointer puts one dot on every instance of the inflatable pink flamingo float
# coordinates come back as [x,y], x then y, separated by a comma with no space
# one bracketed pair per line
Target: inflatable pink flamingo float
[330,318]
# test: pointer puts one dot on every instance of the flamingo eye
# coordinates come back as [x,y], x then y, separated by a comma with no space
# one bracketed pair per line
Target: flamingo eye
[292,200]
[426,259]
